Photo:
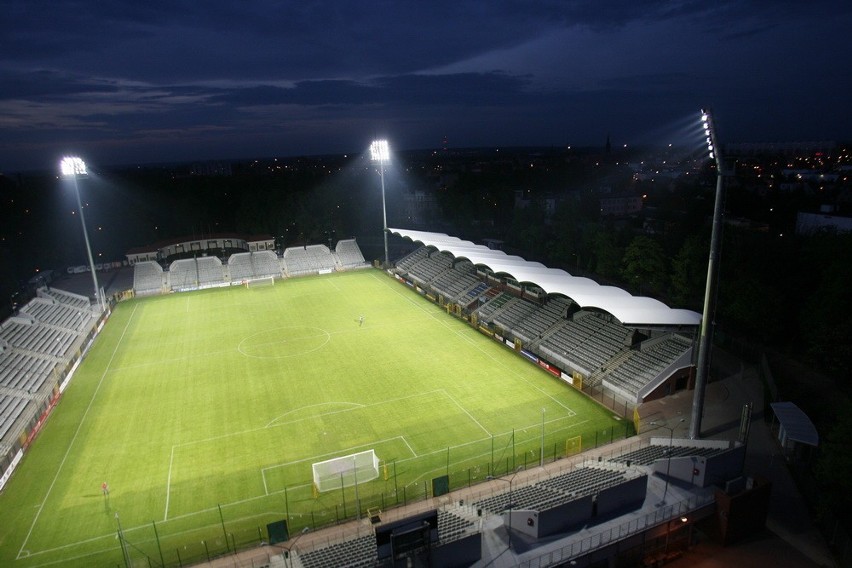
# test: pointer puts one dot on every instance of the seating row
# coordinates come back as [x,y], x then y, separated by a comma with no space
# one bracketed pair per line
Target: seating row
[22,371]
[356,552]
[11,408]
[37,338]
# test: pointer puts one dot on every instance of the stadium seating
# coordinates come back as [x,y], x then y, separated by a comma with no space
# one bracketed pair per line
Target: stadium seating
[210,272]
[649,454]
[30,336]
[249,265]
[147,278]
[453,525]
[586,342]
[631,373]
[23,371]
[308,260]
[52,312]
[349,254]
[183,274]
[241,266]
[487,312]
[542,319]
[11,408]
[404,264]
[63,297]
[557,490]
[360,551]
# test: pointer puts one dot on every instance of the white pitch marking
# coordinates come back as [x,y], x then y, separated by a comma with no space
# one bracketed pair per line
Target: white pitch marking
[77,431]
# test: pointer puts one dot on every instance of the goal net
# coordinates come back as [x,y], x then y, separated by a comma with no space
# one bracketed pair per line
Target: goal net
[259,282]
[346,471]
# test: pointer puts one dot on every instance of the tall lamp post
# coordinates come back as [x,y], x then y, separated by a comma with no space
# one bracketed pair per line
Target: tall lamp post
[671,430]
[74,167]
[379,152]
[706,333]
[288,549]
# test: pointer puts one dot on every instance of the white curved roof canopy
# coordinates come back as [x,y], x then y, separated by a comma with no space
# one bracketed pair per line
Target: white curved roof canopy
[630,310]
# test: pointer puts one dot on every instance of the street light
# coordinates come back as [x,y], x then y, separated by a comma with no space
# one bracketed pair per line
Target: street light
[511,505]
[287,549]
[73,167]
[380,152]
[671,430]
[702,363]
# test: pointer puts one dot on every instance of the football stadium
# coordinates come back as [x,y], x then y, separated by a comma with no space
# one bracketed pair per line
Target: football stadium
[222,406]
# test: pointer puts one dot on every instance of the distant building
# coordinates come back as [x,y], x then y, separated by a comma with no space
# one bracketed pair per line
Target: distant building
[212,245]
[810,223]
[620,204]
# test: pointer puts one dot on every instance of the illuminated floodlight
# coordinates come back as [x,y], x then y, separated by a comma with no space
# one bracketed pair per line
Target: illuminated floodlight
[705,333]
[379,151]
[72,166]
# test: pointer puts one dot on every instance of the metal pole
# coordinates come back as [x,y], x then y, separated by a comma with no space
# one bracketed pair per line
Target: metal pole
[710,292]
[160,548]
[384,212]
[86,240]
[668,465]
[357,499]
[124,551]
[541,464]
[706,333]
[224,532]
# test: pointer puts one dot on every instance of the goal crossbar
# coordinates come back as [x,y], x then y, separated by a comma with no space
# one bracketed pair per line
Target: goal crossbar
[346,471]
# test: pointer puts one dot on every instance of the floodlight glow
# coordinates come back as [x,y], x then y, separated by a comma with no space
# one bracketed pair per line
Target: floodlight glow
[72,166]
[379,151]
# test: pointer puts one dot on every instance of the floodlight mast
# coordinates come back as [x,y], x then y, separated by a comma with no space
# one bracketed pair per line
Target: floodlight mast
[380,152]
[73,167]
[705,338]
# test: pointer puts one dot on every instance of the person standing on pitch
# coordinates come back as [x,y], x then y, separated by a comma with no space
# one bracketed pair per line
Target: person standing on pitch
[360,321]
[105,488]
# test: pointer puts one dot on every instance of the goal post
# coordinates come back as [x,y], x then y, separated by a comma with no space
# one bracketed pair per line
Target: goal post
[345,471]
[259,282]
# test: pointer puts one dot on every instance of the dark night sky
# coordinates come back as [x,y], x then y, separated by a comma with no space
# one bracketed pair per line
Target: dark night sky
[126,81]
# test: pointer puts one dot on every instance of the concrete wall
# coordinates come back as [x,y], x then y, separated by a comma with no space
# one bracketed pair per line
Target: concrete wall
[625,496]
[701,471]
[459,553]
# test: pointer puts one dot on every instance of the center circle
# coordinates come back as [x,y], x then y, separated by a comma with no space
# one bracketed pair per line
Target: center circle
[284,342]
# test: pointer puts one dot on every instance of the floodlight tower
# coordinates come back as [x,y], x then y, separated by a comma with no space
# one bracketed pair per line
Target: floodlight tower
[73,167]
[379,152]
[705,338]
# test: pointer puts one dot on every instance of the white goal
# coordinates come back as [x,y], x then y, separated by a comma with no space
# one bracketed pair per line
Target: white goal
[346,471]
[259,282]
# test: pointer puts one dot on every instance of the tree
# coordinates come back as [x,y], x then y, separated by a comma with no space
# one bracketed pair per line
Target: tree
[689,273]
[644,264]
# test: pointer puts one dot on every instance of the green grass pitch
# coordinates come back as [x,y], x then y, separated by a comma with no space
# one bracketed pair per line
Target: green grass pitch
[204,411]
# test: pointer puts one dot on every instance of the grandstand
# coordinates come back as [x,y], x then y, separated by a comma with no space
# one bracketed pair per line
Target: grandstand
[310,259]
[37,347]
[349,254]
[627,361]
[148,278]
[208,271]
